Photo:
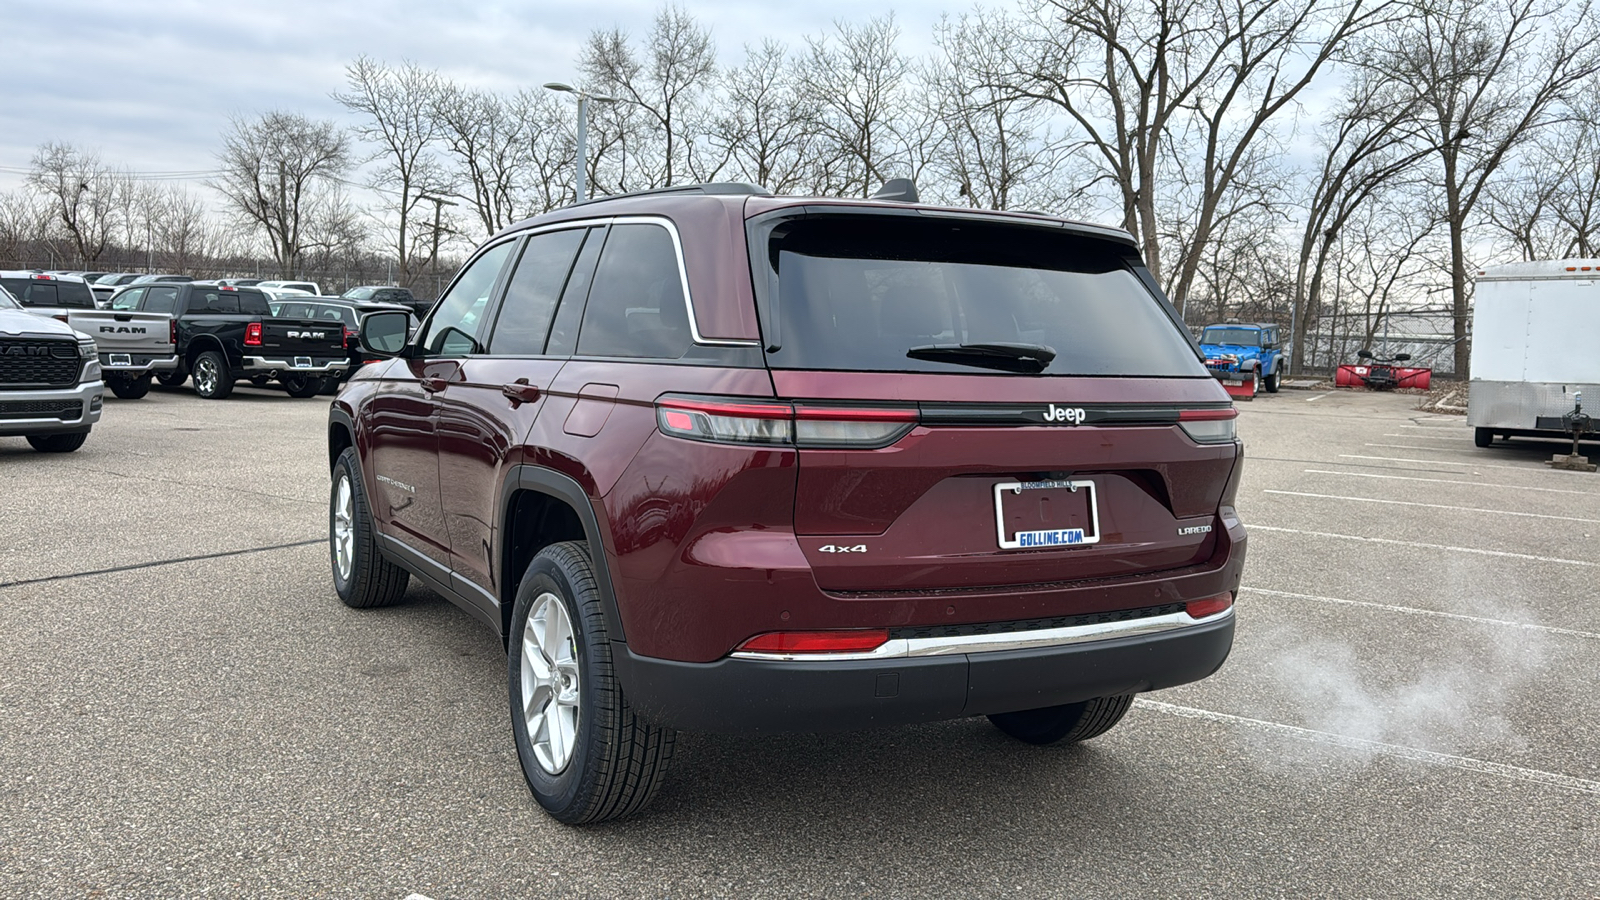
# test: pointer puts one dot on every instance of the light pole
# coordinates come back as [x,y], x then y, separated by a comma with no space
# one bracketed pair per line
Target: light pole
[583,125]
[439,203]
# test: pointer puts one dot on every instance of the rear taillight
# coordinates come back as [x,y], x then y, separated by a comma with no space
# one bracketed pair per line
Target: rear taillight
[1209,426]
[172,330]
[786,424]
[348,335]
[252,334]
[1210,606]
[860,640]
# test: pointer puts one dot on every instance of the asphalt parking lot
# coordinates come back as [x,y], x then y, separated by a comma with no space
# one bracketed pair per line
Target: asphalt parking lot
[1412,708]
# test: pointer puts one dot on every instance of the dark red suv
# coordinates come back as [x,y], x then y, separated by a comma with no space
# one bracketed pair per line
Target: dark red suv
[711,459]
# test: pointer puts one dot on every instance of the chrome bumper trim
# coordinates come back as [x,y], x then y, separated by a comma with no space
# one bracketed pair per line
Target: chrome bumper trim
[912,648]
[88,393]
[259,364]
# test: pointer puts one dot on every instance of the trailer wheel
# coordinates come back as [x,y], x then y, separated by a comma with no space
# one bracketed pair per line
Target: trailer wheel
[1483,437]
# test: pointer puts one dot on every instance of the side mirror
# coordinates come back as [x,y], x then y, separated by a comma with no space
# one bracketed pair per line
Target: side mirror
[1363,353]
[384,333]
[1401,357]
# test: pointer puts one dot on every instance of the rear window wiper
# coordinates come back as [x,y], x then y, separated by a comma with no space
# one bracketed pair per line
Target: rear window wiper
[1029,359]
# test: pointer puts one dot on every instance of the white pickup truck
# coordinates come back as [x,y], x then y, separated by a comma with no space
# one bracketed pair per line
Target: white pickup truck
[50,391]
[134,344]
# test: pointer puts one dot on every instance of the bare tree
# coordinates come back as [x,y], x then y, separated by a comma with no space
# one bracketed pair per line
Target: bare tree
[665,86]
[1547,201]
[1369,142]
[275,169]
[1487,75]
[492,142]
[552,146]
[767,134]
[1150,81]
[857,79]
[183,232]
[996,149]
[395,106]
[81,193]
[22,224]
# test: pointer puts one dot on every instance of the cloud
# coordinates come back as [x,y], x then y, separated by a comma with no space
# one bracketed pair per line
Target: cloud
[150,85]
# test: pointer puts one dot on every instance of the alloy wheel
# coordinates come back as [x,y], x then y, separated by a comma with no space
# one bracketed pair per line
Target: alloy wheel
[550,686]
[344,533]
[205,376]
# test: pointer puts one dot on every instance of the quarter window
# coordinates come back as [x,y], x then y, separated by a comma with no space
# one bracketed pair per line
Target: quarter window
[457,323]
[636,307]
[532,292]
[160,299]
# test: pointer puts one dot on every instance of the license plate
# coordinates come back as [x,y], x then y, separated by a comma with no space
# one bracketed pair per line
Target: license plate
[1037,514]
[1233,382]
[121,359]
[302,362]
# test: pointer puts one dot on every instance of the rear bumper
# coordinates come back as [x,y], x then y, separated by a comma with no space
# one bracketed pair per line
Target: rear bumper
[76,409]
[735,695]
[137,364]
[315,365]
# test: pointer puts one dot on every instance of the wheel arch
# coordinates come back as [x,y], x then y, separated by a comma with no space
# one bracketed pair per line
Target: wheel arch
[540,507]
[200,345]
[341,435]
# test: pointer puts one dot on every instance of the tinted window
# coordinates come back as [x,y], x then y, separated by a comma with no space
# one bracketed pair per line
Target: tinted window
[31,293]
[128,299]
[532,292]
[161,300]
[860,292]
[455,328]
[1244,337]
[7,301]
[569,315]
[359,293]
[214,302]
[636,307]
[75,294]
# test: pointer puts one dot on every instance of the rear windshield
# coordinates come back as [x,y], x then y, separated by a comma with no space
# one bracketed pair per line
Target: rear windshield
[1243,337]
[33,292]
[859,292]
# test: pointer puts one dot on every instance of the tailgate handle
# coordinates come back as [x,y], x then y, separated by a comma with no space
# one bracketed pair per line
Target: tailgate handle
[519,392]
[434,385]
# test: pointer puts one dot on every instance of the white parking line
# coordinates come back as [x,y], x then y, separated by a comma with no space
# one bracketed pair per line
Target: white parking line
[1516,487]
[1433,613]
[1493,512]
[1320,396]
[1431,437]
[1466,763]
[1439,462]
[1422,546]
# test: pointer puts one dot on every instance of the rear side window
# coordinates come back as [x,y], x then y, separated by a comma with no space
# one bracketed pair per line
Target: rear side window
[532,292]
[75,294]
[637,306]
[253,303]
[862,292]
[160,299]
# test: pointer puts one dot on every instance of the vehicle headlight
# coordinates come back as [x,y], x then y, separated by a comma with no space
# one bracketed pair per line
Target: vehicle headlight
[91,358]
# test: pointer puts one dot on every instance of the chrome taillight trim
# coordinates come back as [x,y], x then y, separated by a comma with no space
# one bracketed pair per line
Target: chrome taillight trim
[913,648]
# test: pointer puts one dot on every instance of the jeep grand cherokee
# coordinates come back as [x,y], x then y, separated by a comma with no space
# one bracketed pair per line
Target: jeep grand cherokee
[711,459]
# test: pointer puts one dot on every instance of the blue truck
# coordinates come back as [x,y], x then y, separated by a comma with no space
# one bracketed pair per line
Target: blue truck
[1245,358]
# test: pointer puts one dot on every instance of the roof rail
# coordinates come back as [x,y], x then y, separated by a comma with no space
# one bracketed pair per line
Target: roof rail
[737,188]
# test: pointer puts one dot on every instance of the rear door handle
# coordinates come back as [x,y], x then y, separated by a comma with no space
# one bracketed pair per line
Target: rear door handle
[434,385]
[520,391]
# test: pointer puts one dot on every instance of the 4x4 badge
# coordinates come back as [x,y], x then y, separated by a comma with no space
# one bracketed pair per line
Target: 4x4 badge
[840,548]
[1072,415]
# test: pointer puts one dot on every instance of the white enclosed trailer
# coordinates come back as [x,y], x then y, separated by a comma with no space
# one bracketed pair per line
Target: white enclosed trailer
[1535,346]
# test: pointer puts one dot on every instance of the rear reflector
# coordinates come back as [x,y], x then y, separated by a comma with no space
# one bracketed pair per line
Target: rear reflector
[1209,426]
[856,641]
[1199,609]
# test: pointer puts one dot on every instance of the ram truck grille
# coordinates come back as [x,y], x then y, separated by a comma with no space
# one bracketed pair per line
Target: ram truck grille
[40,409]
[32,363]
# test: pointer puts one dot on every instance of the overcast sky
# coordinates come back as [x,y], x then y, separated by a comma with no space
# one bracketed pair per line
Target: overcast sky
[150,85]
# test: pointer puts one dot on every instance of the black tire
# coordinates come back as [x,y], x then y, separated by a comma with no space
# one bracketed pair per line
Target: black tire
[617,761]
[172,379]
[301,386]
[57,443]
[329,386]
[260,380]
[212,378]
[1271,383]
[1071,723]
[129,388]
[368,579]
[1482,437]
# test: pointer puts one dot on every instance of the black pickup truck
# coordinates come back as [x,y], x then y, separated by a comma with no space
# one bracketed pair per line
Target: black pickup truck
[228,333]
